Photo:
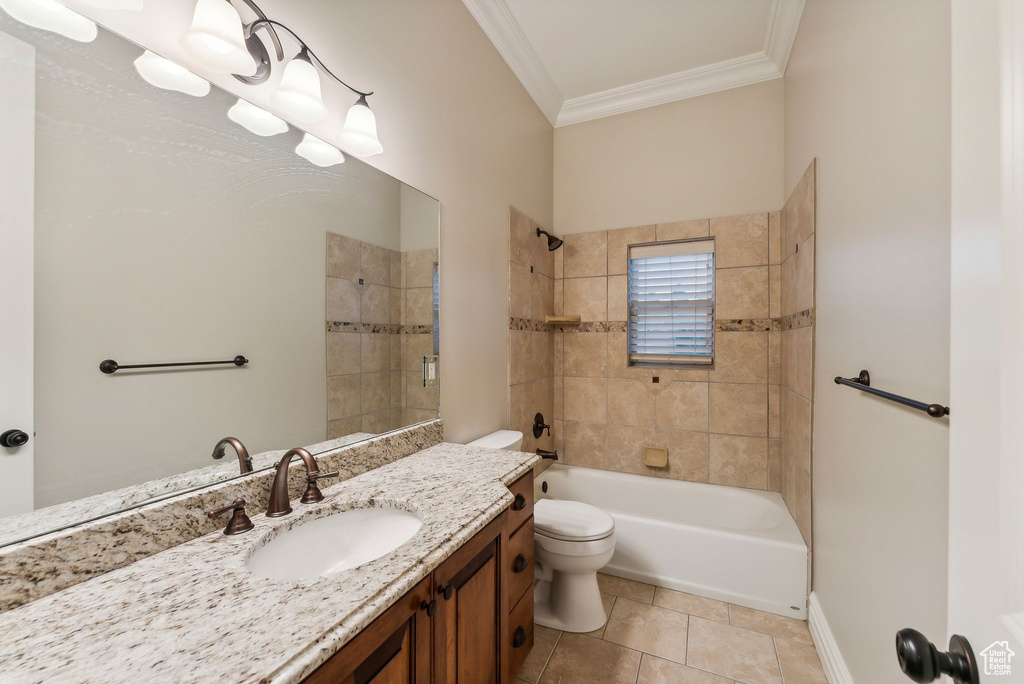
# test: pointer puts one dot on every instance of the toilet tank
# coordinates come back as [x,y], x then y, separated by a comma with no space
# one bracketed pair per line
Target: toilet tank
[511,440]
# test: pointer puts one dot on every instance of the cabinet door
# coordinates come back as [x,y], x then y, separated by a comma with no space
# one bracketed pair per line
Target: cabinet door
[469,617]
[395,649]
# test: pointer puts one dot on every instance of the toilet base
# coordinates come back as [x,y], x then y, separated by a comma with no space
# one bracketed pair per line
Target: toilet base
[570,602]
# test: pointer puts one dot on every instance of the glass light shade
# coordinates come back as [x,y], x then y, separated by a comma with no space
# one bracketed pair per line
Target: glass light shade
[317,151]
[299,92]
[256,119]
[359,134]
[216,41]
[127,5]
[50,15]
[163,73]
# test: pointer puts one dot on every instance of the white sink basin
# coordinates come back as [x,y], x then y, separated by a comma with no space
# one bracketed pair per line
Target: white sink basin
[327,546]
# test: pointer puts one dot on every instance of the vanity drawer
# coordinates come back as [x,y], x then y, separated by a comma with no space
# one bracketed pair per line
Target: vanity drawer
[520,564]
[520,631]
[522,508]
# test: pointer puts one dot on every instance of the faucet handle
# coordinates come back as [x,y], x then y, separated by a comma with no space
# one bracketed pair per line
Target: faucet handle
[239,521]
[313,493]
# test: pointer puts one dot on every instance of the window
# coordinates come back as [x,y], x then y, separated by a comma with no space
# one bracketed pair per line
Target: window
[672,302]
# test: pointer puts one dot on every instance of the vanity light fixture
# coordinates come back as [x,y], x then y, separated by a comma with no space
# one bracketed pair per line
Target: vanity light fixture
[256,119]
[299,93]
[216,39]
[125,5]
[163,73]
[319,152]
[51,15]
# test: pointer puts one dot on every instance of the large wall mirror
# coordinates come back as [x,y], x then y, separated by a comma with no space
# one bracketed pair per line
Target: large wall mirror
[158,230]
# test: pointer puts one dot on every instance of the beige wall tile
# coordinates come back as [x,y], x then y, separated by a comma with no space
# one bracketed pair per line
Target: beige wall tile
[775,291]
[518,408]
[585,399]
[739,461]
[541,296]
[692,605]
[558,397]
[771,624]
[415,348]
[584,444]
[343,301]
[396,313]
[419,306]
[618,367]
[342,256]
[625,448]
[795,420]
[522,236]
[774,415]
[344,427]
[740,240]
[683,406]
[542,259]
[683,230]
[775,237]
[618,243]
[648,628]
[732,652]
[787,485]
[797,278]
[802,497]
[375,304]
[775,357]
[687,455]
[741,292]
[586,354]
[585,255]
[541,362]
[396,277]
[378,421]
[343,396]
[798,213]
[519,291]
[518,356]
[797,360]
[580,658]
[558,353]
[558,263]
[630,402]
[618,298]
[376,391]
[654,670]
[739,409]
[587,297]
[419,268]
[375,352]
[774,465]
[343,357]
[558,290]
[398,393]
[374,264]
[740,357]
[416,395]
[800,663]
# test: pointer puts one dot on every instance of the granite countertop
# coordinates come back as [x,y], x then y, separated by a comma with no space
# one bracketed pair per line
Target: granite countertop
[194,613]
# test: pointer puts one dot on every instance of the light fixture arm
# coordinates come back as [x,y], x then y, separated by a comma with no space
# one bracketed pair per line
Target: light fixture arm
[274,38]
[271,24]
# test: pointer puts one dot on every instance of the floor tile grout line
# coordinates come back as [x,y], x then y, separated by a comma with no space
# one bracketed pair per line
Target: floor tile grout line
[548,659]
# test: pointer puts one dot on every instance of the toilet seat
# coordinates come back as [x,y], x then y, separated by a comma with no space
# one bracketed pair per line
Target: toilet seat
[571,521]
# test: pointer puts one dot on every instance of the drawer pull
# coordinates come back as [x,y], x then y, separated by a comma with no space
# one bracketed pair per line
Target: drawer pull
[520,503]
[520,564]
[431,608]
[519,638]
[447,592]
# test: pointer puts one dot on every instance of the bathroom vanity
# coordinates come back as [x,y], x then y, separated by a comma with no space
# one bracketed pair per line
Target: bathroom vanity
[452,604]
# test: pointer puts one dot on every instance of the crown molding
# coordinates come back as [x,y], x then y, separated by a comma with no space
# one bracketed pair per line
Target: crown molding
[500,25]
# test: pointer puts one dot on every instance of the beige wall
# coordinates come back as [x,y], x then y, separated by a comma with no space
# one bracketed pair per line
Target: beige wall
[714,155]
[867,92]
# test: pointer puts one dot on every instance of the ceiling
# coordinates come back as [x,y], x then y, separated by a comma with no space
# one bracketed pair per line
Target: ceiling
[587,59]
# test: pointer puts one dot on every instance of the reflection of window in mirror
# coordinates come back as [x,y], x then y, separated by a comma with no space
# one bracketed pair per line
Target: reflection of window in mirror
[437,308]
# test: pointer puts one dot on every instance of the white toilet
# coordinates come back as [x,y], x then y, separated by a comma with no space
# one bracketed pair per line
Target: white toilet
[572,541]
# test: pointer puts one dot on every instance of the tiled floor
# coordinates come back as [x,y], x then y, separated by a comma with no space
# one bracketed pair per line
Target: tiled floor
[660,636]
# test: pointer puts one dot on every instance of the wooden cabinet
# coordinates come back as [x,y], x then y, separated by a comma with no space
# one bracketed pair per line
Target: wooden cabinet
[469,622]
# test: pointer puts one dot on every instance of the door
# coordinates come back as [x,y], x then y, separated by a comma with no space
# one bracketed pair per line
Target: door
[17,174]
[469,615]
[395,649]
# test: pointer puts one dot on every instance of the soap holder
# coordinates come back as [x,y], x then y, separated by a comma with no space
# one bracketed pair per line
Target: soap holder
[655,457]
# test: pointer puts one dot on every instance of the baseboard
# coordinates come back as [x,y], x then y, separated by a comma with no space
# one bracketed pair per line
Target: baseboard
[828,650]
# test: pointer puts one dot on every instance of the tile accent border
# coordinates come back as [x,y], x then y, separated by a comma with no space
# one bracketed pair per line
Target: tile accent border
[801,319]
[38,567]
[746,324]
[379,328]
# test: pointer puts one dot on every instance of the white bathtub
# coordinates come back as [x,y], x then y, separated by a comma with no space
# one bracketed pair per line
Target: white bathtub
[726,543]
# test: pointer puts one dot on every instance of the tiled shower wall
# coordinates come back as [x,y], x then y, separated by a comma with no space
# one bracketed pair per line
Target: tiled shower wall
[797,362]
[719,425]
[530,340]
[380,324]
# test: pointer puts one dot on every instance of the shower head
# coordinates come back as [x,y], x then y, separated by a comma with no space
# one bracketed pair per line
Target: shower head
[553,242]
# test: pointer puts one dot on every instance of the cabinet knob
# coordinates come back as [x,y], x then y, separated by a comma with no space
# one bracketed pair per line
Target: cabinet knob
[520,564]
[13,439]
[447,592]
[520,503]
[923,662]
[431,607]
[519,638]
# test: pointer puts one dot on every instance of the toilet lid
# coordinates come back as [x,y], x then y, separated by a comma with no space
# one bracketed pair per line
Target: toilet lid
[571,520]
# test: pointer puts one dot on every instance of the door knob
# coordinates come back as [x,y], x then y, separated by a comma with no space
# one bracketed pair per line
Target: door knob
[922,662]
[13,439]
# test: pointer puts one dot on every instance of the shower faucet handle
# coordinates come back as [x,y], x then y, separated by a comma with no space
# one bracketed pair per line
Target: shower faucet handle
[539,426]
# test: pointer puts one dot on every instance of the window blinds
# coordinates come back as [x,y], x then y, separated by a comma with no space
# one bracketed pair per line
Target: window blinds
[672,302]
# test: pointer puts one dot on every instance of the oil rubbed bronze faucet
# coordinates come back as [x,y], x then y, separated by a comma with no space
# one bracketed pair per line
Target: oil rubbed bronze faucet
[244,461]
[279,504]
